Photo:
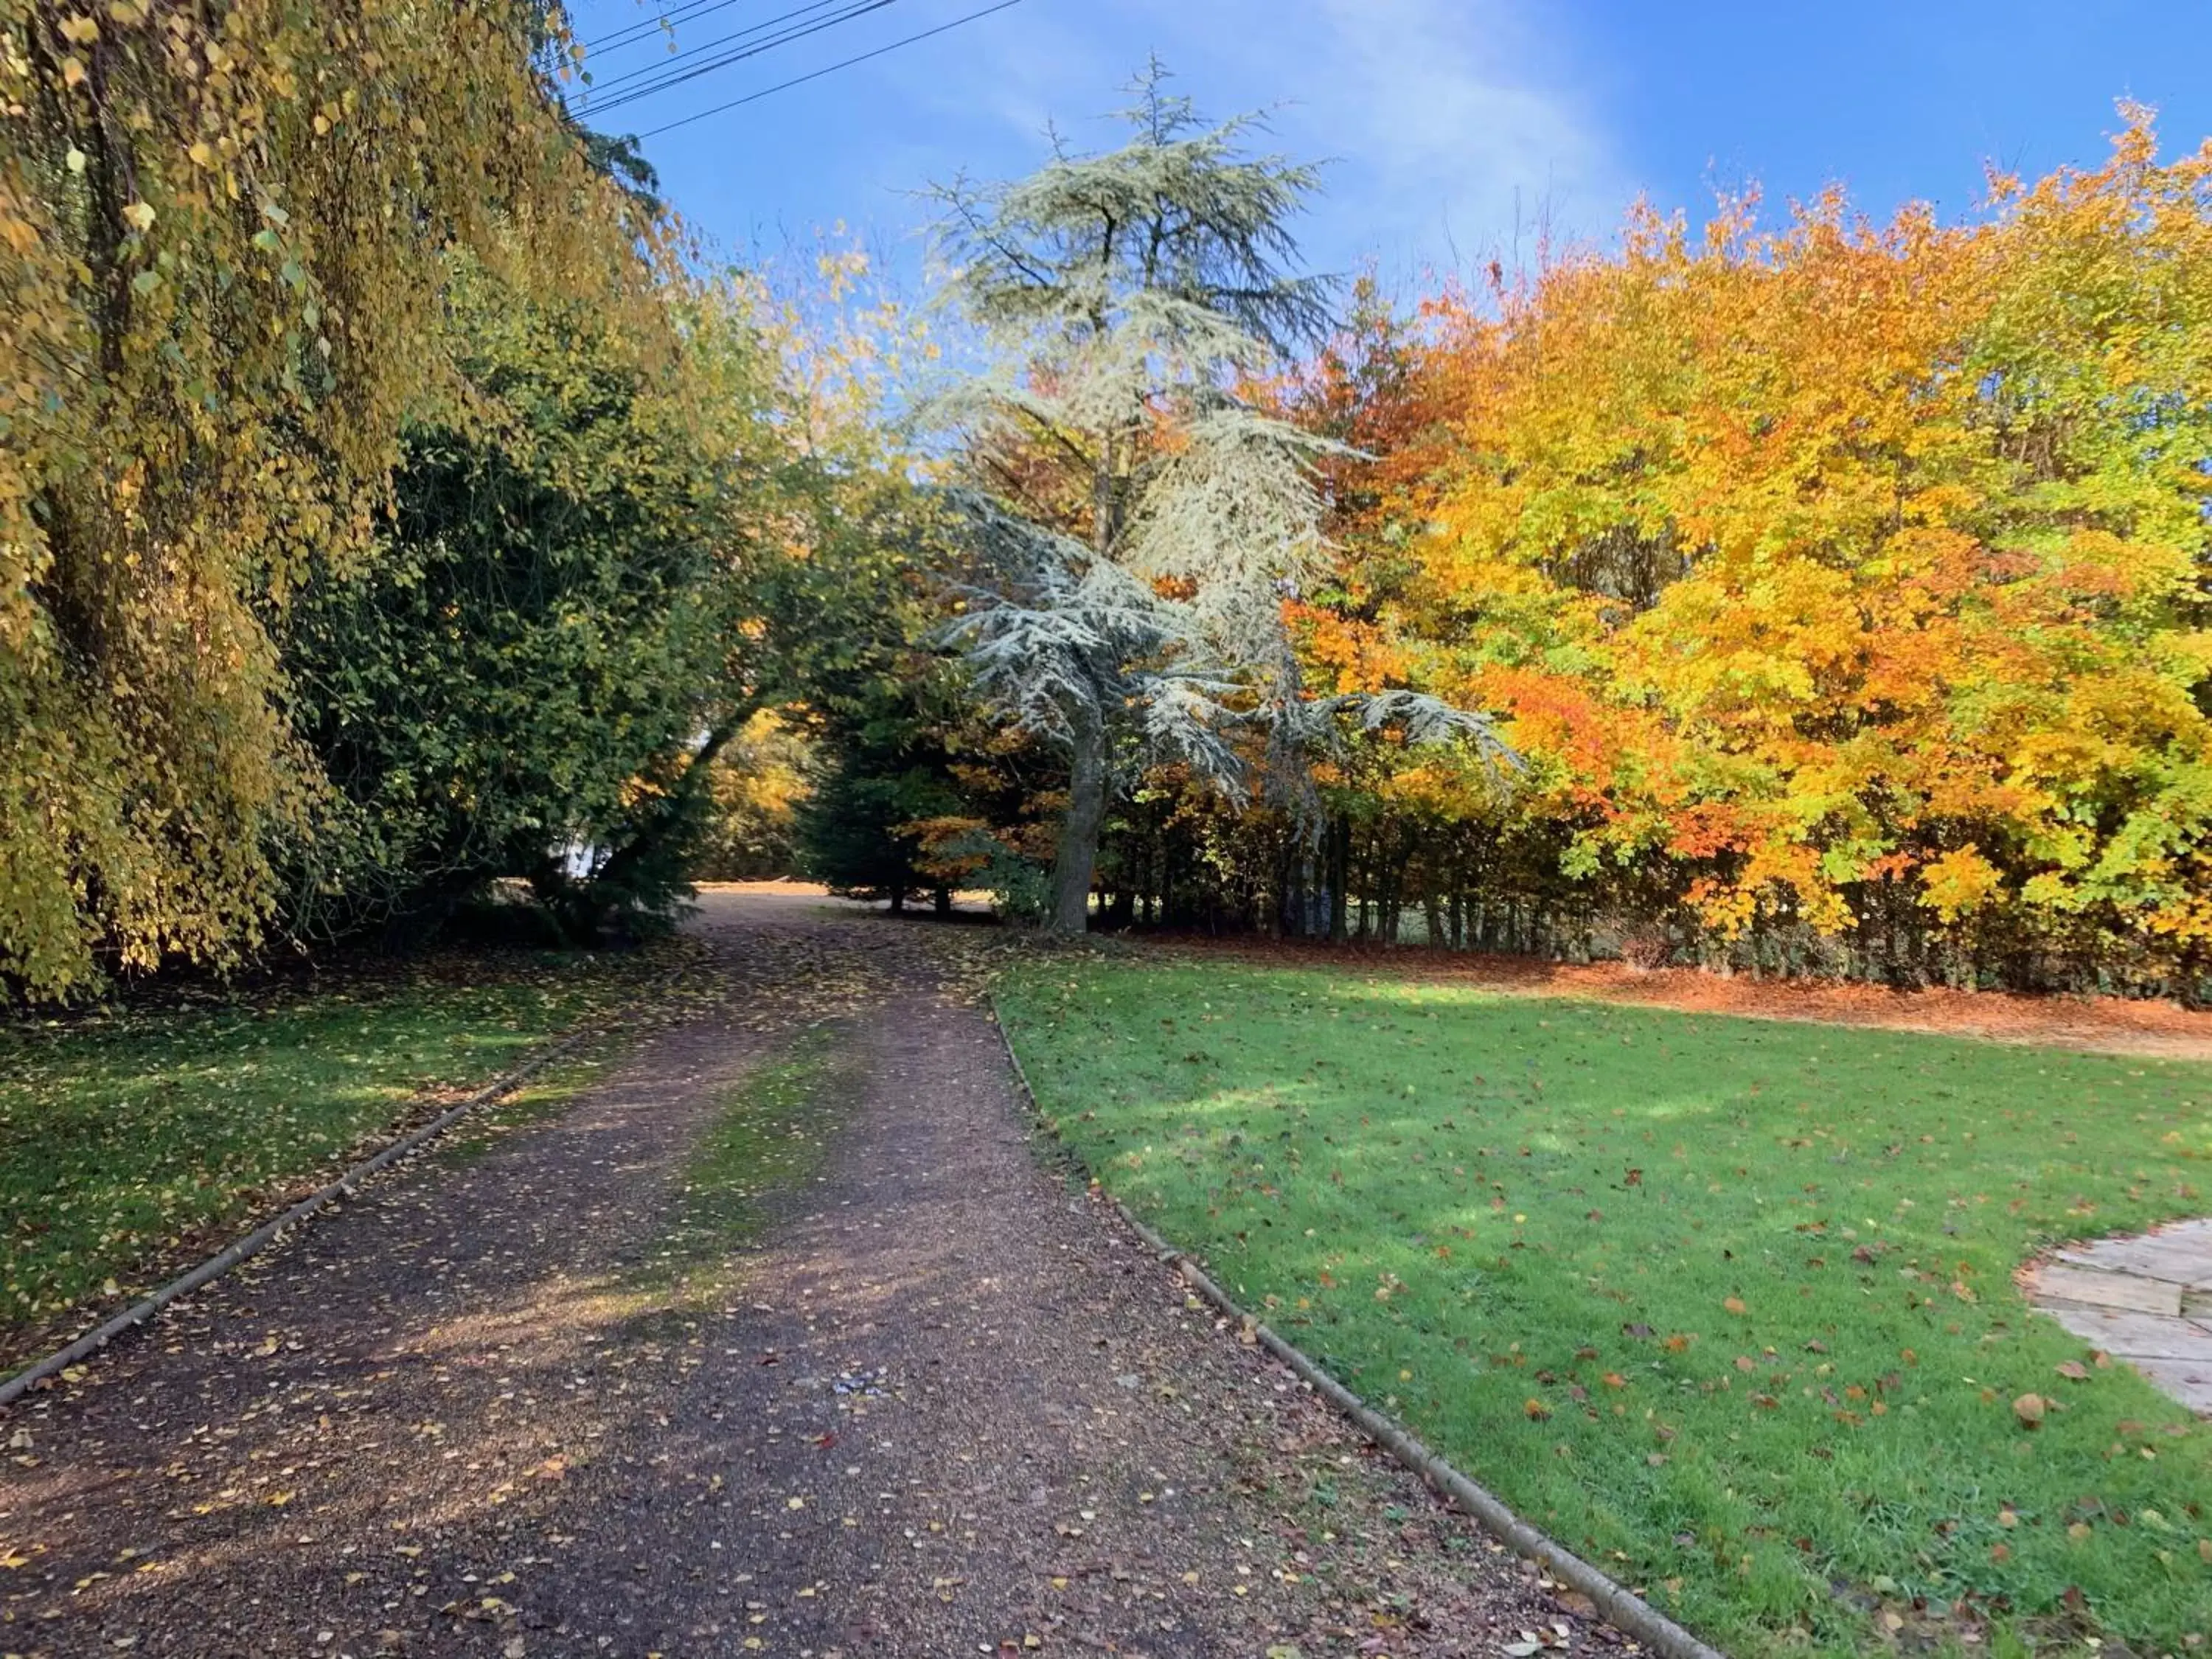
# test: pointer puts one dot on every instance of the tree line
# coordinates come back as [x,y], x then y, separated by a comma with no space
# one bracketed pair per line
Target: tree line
[1823,597]
[397,508]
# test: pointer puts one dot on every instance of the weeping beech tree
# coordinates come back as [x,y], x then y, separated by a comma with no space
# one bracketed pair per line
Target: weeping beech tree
[1132,520]
[224,232]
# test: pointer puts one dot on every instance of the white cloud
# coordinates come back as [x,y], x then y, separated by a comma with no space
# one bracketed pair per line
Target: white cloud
[1446,119]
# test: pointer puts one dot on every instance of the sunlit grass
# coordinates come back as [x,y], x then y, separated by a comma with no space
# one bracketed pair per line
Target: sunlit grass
[1725,1304]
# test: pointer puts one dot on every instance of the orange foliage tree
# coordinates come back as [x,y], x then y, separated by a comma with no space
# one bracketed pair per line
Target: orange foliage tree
[1842,581]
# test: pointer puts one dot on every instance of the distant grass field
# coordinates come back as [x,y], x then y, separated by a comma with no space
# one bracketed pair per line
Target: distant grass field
[1725,1304]
[129,1136]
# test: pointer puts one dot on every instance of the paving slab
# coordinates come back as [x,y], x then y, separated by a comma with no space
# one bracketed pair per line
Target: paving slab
[2189,1383]
[2089,1287]
[2137,1336]
[2179,1255]
[2146,1299]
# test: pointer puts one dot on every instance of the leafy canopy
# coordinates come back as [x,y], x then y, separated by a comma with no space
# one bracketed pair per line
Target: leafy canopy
[1844,576]
[222,233]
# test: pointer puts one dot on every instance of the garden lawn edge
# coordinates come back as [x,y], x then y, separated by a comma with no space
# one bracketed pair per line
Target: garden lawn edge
[1617,1604]
[345,1186]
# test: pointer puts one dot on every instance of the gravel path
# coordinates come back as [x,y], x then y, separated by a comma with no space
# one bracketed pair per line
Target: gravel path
[937,1402]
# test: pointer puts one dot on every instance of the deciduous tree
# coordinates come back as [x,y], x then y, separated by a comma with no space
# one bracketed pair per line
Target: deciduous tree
[222,240]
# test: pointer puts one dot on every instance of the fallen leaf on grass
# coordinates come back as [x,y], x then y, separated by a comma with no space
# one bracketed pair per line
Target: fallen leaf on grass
[2029,1408]
[2074,1370]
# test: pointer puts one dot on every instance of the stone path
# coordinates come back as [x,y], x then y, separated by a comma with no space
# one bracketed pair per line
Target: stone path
[938,1402]
[2147,1300]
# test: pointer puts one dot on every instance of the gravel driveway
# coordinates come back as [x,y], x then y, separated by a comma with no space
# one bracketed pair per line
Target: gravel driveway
[934,1401]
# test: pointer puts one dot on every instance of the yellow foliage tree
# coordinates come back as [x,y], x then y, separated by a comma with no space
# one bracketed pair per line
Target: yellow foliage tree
[1846,573]
[222,240]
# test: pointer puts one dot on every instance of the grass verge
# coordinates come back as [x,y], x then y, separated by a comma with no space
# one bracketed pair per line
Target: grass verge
[771,1133]
[130,1141]
[1725,1306]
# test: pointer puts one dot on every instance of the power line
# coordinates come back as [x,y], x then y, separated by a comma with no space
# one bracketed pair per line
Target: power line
[630,33]
[592,107]
[687,67]
[690,55]
[832,68]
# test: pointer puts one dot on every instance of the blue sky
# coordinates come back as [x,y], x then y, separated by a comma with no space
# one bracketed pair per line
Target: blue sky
[1449,123]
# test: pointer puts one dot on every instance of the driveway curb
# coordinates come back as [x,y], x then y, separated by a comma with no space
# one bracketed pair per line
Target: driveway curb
[262,1236]
[1617,1604]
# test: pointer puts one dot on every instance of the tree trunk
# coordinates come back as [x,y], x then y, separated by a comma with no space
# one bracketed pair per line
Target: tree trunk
[674,807]
[1390,906]
[1297,885]
[1339,878]
[942,898]
[1079,835]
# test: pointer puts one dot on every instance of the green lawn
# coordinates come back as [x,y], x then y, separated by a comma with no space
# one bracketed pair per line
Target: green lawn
[1725,1304]
[129,1138]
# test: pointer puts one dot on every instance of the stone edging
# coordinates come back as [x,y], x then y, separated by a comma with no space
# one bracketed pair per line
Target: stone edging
[224,1260]
[1617,1604]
